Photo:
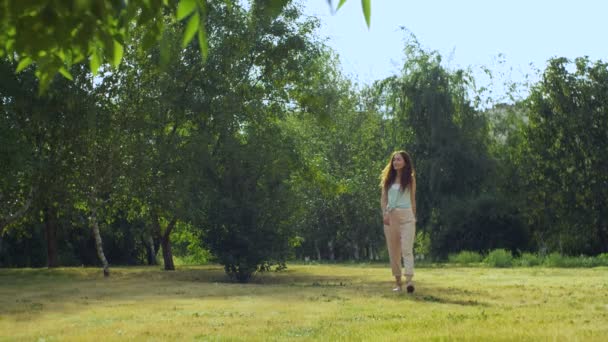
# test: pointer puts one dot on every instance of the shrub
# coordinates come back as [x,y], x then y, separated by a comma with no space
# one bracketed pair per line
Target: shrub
[528,259]
[465,258]
[422,245]
[499,258]
[558,260]
[602,259]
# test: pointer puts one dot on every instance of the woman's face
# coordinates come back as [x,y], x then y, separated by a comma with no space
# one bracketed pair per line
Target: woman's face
[398,162]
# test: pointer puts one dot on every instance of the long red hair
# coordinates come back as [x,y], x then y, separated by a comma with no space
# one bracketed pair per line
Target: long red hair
[389,174]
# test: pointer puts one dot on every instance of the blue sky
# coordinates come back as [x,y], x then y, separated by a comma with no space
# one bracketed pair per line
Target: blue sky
[505,36]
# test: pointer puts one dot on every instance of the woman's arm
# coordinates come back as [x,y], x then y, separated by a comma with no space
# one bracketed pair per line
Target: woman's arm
[383,204]
[413,194]
[383,200]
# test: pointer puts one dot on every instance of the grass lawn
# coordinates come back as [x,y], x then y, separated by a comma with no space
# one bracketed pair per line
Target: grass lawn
[306,302]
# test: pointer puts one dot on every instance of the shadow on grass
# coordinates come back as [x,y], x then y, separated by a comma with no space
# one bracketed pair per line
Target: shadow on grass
[447,300]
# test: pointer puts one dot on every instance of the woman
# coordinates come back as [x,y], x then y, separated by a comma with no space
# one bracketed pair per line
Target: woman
[398,201]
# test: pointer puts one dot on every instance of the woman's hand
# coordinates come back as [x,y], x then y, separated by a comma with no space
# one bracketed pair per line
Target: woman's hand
[386,219]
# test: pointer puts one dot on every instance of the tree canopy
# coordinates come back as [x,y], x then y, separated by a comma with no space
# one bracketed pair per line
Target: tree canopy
[54,35]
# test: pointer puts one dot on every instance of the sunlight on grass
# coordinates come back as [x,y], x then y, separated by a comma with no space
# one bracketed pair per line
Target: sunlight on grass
[306,302]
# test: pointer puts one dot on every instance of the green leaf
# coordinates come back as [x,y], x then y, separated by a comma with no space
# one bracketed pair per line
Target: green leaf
[47,69]
[228,4]
[367,10]
[191,29]
[340,4]
[185,8]
[95,62]
[24,63]
[165,49]
[118,51]
[202,41]
[275,7]
[66,73]
[82,205]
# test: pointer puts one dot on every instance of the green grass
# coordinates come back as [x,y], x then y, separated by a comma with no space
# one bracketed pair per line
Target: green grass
[306,302]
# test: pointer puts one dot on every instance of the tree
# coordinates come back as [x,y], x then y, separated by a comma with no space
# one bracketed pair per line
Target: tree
[17,186]
[48,129]
[156,125]
[256,63]
[341,149]
[565,157]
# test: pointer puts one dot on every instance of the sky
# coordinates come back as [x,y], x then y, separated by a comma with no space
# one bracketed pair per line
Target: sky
[512,38]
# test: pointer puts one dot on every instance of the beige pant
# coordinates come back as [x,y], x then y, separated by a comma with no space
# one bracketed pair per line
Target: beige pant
[400,240]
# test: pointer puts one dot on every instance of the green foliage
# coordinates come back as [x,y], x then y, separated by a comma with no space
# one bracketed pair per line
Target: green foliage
[479,224]
[56,35]
[504,258]
[527,259]
[187,243]
[248,158]
[465,258]
[422,245]
[499,258]
[367,10]
[23,247]
[340,148]
[365,6]
[566,173]
[558,260]
[602,259]
[248,228]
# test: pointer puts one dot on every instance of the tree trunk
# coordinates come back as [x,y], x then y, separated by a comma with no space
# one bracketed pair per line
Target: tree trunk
[317,250]
[50,233]
[155,238]
[167,255]
[356,251]
[602,230]
[150,249]
[330,246]
[165,242]
[99,244]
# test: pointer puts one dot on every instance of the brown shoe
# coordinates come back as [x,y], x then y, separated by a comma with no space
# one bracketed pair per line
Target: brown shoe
[410,287]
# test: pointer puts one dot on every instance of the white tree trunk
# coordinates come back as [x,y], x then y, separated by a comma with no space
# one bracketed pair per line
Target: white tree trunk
[98,243]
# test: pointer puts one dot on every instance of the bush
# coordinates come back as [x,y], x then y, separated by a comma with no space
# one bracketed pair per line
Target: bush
[465,258]
[558,260]
[187,246]
[499,258]
[602,259]
[422,245]
[528,260]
